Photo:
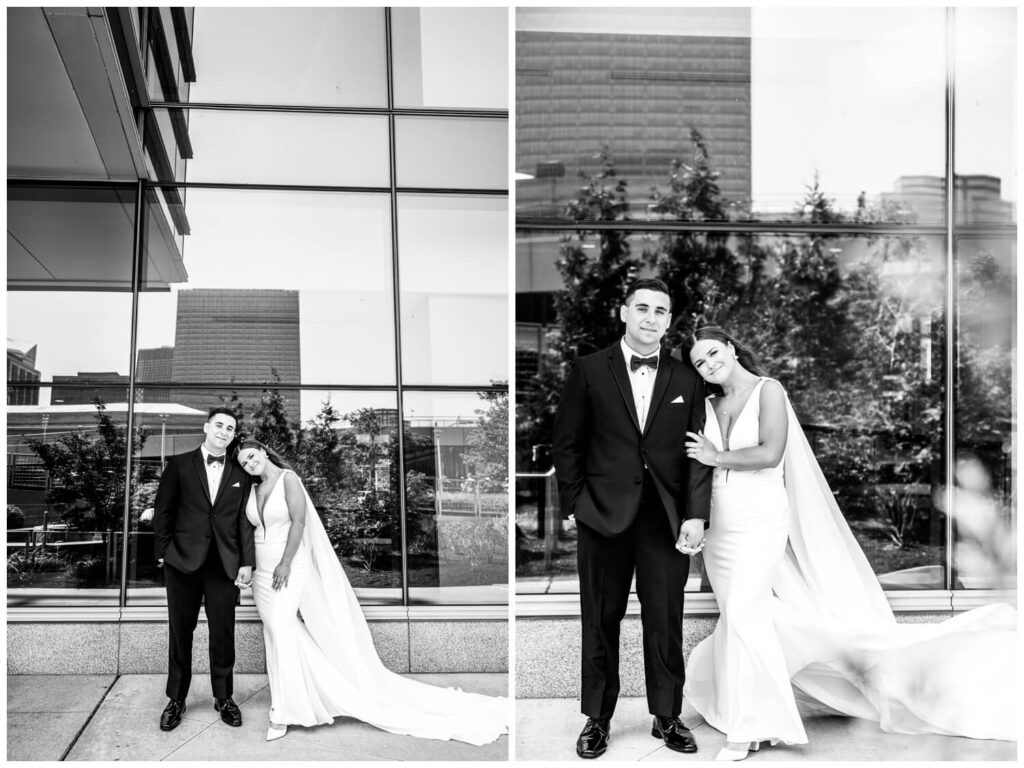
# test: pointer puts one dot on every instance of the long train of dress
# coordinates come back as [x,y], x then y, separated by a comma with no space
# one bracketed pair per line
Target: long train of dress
[805,627]
[325,665]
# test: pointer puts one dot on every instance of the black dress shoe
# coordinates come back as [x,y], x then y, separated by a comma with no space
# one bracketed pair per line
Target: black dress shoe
[593,740]
[674,734]
[171,716]
[229,711]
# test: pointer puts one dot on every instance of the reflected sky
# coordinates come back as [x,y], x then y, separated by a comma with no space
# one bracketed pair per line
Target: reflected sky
[854,95]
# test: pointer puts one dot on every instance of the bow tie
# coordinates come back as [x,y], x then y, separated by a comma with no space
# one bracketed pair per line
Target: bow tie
[636,362]
[211,459]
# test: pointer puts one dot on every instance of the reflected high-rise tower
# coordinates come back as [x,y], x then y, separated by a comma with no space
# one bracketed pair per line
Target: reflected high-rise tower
[639,93]
[240,334]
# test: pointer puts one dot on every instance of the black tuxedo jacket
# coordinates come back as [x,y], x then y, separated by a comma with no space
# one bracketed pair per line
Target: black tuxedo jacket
[600,450]
[186,523]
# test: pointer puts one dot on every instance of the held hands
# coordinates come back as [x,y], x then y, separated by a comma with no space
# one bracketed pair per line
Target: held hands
[691,537]
[244,578]
[701,449]
[281,574]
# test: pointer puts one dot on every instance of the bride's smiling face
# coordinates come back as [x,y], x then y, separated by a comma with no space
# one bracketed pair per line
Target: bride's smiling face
[253,460]
[713,360]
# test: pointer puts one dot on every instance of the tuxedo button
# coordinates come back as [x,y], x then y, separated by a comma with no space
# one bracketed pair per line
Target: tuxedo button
[637,481]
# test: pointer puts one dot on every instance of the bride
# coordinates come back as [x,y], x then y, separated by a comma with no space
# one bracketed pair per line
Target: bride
[325,665]
[802,618]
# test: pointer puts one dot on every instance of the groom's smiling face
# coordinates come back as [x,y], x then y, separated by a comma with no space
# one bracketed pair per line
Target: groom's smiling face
[647,316]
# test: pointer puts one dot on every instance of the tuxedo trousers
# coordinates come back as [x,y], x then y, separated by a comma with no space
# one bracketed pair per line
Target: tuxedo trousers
[606,569]
[209,585]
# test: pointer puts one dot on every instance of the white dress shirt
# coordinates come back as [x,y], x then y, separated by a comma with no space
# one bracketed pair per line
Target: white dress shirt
[214,472]
[642,382]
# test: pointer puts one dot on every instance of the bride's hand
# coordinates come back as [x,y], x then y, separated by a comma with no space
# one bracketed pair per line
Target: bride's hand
[701,449]
[281,574]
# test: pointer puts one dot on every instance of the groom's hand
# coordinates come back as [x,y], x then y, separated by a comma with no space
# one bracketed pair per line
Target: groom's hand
[691,537]
[244,578]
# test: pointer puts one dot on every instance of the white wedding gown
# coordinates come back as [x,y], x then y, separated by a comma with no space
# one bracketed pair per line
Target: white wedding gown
[805,628]
[324,665]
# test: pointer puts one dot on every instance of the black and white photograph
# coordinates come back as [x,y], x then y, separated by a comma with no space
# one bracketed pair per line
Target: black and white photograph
[765,357]
[258,383]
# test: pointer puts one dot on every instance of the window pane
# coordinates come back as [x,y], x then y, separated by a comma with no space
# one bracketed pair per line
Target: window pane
[283,148]
[452,153]
[275,285]
[164,75]
[300,56]
[341,444]
[760,103]
[69,280]
[986,115]
[61,117]
[454,276]
[65,499]
[456,467]
[852,327]
[450,57]
[985,555]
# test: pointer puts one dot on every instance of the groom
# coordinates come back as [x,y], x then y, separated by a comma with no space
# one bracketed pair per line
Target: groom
[623,472]
[207,549]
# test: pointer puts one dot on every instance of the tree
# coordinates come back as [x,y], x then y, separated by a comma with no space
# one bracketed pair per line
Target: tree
[595,266]
[269,420]
[489,443]
[706,278]
[86,472]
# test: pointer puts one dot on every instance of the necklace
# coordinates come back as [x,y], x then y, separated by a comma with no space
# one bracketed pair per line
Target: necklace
[732,398]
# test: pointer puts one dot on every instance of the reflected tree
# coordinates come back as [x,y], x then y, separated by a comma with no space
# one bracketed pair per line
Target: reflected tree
[87,472]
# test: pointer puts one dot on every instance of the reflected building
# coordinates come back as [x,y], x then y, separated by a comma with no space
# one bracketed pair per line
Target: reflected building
[21,366]
[154,364]
[978,199]
[85,387]
[243,334]
[640,94]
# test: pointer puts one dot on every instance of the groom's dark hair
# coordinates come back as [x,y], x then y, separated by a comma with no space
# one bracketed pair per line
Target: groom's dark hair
[649,284]
[222,409]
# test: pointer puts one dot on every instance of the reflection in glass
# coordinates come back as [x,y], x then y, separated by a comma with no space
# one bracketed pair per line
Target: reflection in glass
[285,148]
[69,238]
[450,57]
[985,491]
[453,270]
[456,466]
[441,152]
[258,298]
[297,56]
[986,115]
[69,281]
[850,325]
[728,92]
[65,499]
[341,444]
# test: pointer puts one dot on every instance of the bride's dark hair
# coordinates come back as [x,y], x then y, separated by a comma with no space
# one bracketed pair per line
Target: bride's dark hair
[746,358]
[275,457]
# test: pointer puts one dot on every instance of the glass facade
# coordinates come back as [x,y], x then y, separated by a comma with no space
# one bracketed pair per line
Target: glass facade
[252,222]
[807,209]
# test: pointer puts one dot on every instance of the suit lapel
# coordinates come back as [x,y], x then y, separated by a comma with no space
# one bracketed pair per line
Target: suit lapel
[200,467]
[618,365]
[225,478]
[660,387]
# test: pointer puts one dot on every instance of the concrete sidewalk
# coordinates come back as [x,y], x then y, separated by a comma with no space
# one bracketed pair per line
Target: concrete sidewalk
[103,717]
[546,729]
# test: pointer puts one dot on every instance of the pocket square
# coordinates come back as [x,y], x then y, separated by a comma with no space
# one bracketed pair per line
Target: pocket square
[677,400]
[237,485]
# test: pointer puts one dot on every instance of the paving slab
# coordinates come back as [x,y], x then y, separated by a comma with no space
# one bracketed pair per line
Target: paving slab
[46,712]
[120,722]
[546,730]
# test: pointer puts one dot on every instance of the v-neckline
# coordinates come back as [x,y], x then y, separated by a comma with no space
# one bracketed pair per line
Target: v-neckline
[259,511]
[732,424]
